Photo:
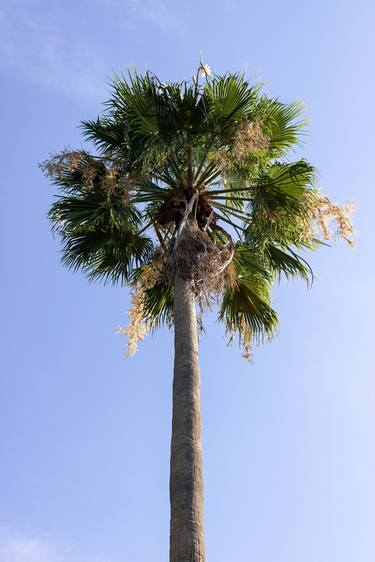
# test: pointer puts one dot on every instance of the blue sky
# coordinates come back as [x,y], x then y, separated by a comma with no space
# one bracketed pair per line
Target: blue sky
[84,434]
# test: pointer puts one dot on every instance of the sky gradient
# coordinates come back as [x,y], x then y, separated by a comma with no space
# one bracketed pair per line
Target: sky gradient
[84,433]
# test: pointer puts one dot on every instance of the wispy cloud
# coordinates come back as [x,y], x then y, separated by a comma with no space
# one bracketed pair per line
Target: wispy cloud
[64,48]
[161,14]
[44,52]
[17,548]
[26,550]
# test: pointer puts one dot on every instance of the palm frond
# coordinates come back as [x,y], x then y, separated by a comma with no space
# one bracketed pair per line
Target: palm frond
[106,134]
[248,262]
[284,181]
[246,311]
[158,305]
[245,306]
[282,123]
[287,263]
[229,99]
[105,255]
[100,235]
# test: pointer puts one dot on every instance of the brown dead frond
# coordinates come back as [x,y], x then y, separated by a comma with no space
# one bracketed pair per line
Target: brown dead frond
[198,259]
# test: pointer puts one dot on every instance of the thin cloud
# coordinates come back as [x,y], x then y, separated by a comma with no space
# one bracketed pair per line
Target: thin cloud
[60,51]
[158,13]
[17,548]
[41,51]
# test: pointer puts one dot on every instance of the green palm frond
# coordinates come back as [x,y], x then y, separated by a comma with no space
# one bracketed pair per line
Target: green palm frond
[158,304]
[108,255]
[90,211]
[246,312]
[245,307]
[248,262]
[106,134]
[229,99]
[280,207]
[287,263]
[136,100]
[282,123]
[99,233]
[284,182]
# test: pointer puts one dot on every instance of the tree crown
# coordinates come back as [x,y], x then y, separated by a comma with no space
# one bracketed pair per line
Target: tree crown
[194,177]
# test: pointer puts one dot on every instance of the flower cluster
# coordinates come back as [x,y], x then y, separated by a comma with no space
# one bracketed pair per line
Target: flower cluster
[323,212]
[62,162]
[104,172]
[249,138]
[138,326]
[204,70]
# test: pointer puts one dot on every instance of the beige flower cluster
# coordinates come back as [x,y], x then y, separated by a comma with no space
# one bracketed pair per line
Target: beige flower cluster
[92,168]
[247,340]
[61,162]
[138,326]
[248,139]
[323,213]
[205,70]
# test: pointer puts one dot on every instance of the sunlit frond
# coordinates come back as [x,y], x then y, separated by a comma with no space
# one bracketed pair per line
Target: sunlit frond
[282,123]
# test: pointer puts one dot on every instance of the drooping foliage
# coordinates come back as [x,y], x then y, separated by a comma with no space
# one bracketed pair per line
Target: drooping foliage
[213,152]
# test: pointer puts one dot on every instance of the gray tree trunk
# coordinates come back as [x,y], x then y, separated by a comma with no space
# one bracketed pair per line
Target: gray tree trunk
[186,476]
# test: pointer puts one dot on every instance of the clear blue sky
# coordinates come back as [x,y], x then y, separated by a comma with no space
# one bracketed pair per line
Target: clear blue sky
[288,441]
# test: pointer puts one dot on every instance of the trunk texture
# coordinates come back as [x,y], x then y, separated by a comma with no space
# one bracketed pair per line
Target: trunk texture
[186,476]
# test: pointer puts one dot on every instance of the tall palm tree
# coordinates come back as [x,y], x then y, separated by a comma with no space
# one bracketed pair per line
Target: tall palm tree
[191,198]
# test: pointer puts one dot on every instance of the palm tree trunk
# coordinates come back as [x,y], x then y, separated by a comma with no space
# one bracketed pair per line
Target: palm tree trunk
[186,476]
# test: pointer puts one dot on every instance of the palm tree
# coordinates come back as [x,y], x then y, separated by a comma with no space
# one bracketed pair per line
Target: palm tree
[190,197]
